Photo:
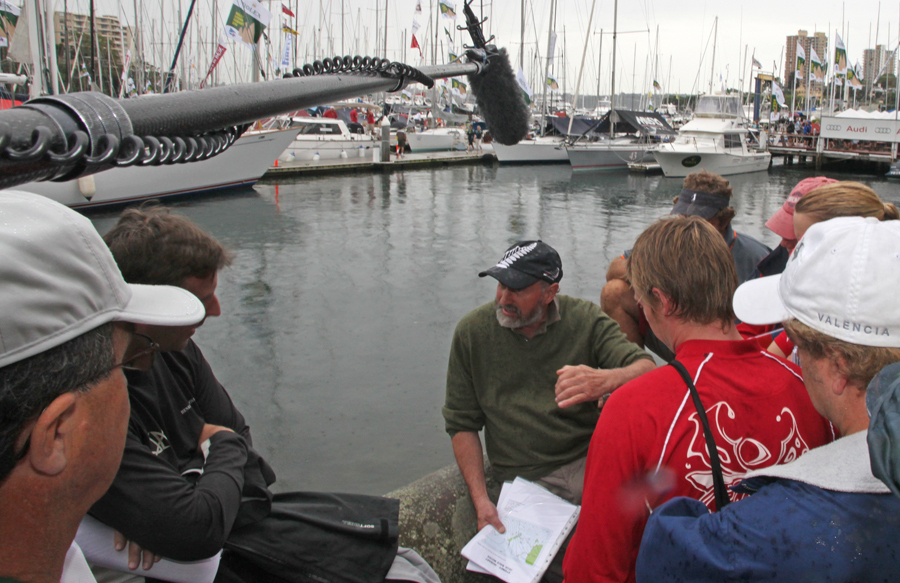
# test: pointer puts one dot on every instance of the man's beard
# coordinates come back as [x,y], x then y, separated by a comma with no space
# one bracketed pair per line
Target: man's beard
[518,321]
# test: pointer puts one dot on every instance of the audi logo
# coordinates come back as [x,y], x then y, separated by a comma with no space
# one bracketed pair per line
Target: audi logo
[833,127]
[882,130]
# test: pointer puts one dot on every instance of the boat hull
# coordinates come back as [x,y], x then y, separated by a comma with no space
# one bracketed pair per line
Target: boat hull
[328,149]
[241,165]
[680,164]
[603,157]
[436,142]
[532,151]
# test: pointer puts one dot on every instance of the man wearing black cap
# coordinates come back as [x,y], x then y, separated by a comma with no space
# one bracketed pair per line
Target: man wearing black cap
[705,195]
[529,368]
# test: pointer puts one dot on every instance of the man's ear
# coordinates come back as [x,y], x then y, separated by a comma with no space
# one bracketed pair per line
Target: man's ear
[664,302]
[51,435]
[839,382]
[551,292]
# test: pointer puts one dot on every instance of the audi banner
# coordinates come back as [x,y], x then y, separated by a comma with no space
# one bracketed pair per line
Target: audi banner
[849,128]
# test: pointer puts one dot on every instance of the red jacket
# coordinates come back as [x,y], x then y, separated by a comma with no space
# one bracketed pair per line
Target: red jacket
[760,415]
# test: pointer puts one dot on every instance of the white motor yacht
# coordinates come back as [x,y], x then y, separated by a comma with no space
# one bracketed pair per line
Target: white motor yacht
[716,140]
[640,131]
[325,138]
[437,140]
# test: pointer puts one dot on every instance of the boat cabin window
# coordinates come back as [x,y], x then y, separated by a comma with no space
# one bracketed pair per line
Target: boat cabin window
[718,106]
[732,140]
[318,128]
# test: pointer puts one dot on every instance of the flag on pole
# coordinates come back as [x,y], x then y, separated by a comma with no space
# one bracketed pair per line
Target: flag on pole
[552,84]
[289,30]
[287,11]
[415,27]
[458,87]
[246,21]
[9,17]
[418,6]
[853,77]
[816,71]
[415,45]
[840,56]
[656,85]
[286,53]
[801,60]
[453,56]
[552,46]
[756,64]
[778,94]
[220,50]
[526,89]
[448,8]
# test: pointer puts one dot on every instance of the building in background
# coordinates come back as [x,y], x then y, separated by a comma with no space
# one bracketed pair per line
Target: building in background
[874,61]
[819,42]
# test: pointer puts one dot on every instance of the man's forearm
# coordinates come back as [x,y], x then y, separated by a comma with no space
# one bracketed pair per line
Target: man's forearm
[470,459]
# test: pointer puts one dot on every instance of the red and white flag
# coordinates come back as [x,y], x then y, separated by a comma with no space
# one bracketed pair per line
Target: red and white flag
[287,11]
[220,50]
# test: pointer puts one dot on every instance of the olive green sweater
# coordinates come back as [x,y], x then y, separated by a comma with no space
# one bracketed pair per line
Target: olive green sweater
[499,380]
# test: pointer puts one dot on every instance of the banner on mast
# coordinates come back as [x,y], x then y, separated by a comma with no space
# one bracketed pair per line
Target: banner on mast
[415,45]
[801,61]
[816,71]
[448,8]
[286,10]
[286,53]
[552,46]
[840,56]
[778,94]
[756,63]
[552,84]
[9,18]
[526,89]
[246,21]
[220,50]
[458,87]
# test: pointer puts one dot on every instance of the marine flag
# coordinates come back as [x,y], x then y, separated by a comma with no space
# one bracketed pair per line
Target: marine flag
[286,10]
[853,77]
[552,84]
[656,85]
[415,45]
[286,53]
[220,50]
[246,21]
[418,6]
[453,56]
[9,17]
[526,89]
[778,94]
[816,72]
[801,61]
[458,87]
[840,56]
[756,64]
[289,30]
[448,8]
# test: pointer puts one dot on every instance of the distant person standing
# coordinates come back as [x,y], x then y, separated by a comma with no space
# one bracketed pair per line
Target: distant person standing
[479,135]
[401,143]
[354,116]
[370,121]
[470,137]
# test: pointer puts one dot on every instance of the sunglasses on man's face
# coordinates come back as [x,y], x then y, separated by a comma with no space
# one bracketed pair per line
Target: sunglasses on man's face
[139,355]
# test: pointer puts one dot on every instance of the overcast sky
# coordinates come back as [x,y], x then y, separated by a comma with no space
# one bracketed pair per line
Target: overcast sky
[685,33]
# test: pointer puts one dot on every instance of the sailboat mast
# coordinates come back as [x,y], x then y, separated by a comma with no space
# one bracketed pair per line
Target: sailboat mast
[712,72]
[522,40]
[612,90]
[599,68]
[547,67]
[93,47]
[581,69]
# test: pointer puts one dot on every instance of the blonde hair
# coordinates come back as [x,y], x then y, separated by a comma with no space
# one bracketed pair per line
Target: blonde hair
[857,362]
[688,260]
[845,199]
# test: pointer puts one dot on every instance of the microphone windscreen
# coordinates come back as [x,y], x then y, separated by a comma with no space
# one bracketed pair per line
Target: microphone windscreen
[499,98]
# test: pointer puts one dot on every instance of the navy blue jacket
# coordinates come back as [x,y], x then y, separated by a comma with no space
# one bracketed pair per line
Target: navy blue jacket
[787,531]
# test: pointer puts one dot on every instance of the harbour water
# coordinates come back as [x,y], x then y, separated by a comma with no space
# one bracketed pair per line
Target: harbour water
[345,290]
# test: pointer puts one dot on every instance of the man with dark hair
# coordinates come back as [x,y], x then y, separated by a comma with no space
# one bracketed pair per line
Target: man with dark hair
[705,195]
[189,460]
[758,410]
[824,511]
[67,329]
[529,369]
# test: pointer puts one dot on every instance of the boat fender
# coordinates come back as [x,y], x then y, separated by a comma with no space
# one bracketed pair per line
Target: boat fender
[343,154]
[362,152]
[87,186]
[316,157]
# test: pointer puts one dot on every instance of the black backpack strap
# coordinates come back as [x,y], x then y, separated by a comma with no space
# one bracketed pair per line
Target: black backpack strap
[719,489]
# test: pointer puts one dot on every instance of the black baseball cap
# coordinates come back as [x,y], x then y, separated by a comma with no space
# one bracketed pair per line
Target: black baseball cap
[700,204]
[525,264]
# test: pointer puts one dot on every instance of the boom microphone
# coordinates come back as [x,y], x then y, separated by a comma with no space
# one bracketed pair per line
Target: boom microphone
[499,98]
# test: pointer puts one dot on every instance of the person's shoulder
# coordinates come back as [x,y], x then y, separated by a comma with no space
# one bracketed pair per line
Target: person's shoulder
[477,318]
[574,305]
[652,386]
[752,245]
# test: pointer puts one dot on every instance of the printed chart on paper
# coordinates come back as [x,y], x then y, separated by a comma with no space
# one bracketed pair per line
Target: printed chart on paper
[522,541]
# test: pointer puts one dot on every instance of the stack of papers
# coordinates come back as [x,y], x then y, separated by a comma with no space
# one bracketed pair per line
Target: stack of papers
[537,523]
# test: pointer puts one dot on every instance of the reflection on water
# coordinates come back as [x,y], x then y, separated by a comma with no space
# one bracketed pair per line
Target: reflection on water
[344,292]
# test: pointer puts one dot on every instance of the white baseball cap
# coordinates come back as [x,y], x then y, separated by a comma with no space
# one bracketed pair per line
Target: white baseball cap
[58,280]
[842,280]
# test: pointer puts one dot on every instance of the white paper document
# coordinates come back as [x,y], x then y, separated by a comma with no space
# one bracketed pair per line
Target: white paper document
[537,523]
[96,540]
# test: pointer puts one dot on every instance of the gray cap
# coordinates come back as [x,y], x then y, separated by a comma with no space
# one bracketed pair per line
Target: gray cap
[58,280]
[700,204]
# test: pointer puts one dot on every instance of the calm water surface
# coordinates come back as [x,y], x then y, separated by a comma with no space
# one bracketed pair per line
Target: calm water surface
[344,293]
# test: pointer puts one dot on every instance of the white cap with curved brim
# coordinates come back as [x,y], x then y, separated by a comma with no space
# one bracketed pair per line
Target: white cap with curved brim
[58,280]
[841,280]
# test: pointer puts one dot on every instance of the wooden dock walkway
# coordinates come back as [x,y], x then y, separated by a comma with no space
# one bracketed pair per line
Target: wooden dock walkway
[409,161]
[805,152]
